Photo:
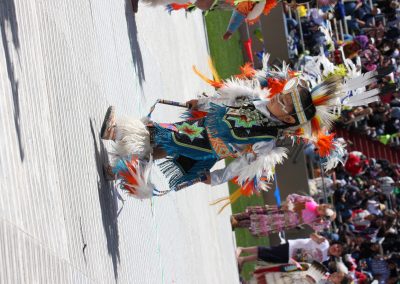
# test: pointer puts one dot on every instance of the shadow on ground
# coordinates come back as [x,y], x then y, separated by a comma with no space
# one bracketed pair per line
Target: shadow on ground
[135,48]
[8,18]
[108,203]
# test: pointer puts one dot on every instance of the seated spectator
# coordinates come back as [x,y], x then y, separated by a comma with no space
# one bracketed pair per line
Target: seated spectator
[356,163]
[380,270]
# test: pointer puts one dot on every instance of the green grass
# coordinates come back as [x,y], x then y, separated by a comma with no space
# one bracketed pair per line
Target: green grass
[243,237]
[228,57]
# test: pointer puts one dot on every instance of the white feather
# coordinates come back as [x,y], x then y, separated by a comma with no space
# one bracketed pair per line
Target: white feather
[234,88]
[362,97]
[264,71]
[326,115]
[265,62]
[336,155]
[263,165]
[359,81]
[144,188]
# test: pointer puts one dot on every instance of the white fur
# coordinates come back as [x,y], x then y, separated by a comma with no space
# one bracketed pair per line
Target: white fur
[132,138]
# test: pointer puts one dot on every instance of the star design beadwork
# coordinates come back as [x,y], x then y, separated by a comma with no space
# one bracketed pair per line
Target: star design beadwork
[192,131]
[243,121]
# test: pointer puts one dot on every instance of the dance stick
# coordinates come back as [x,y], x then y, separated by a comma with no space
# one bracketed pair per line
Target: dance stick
[167,102]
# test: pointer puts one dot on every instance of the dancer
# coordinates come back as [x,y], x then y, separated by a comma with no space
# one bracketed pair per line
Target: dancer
[242,11]
[242,121]
[298,210]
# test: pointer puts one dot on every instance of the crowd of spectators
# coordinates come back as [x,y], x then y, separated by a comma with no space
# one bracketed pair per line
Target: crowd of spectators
[362,245]
[371,38]
[365,193]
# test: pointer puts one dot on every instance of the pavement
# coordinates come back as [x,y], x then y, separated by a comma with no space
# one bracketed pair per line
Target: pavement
[62,63]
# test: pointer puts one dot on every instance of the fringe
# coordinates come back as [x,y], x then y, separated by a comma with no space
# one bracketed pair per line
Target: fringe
[171,168]
[171,171]
[215,125]
[176,175]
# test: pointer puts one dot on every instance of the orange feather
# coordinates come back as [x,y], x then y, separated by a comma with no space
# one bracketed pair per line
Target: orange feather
[324,143]
[269,5]
[315,125]
[275,86]
[213,83]
[247,71]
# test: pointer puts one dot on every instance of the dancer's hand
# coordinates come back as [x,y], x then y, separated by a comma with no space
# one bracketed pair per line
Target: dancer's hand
[208,180]
[192,104]
[227,35]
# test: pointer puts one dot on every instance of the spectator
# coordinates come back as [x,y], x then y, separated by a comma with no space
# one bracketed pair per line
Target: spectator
[303,250]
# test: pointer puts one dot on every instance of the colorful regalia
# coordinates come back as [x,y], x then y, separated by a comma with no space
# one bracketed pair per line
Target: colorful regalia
[235,123]
[248,11]
[242,10]
[266,220]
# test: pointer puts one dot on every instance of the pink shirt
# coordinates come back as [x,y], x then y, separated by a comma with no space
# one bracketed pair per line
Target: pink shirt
[310,214]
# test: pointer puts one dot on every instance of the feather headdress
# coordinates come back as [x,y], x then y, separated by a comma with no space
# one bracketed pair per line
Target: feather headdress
[331,89]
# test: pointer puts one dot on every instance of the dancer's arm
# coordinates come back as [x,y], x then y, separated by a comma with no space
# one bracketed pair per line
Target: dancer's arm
[232,170]
[250,164]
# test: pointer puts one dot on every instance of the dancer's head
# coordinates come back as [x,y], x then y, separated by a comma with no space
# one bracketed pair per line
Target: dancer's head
[294,105]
